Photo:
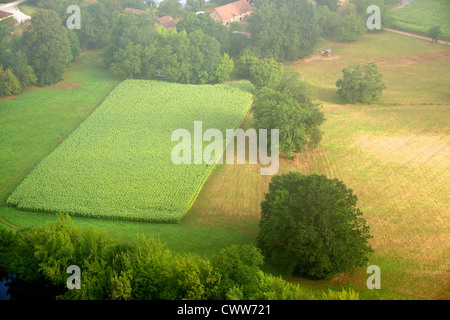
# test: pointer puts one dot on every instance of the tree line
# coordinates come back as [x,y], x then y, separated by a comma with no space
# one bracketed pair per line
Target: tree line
[310,226]
[200,50]
[111,270]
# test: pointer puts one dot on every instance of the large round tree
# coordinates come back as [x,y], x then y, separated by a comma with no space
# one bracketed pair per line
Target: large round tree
[310,226]
[48,46]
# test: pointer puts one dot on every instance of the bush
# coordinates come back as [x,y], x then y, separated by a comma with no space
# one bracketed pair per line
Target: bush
[145,271]
[6,237]
[361,83]
[9,84]
[310,226]
[351,28]
[340,295]
[238,266]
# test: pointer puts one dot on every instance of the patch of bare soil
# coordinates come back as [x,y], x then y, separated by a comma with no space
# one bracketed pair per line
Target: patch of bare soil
[9,97]
[320,57]
[69,85]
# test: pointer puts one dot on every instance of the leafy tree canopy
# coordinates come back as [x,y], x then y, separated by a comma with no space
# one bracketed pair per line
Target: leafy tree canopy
[284,102]
[310,225]
[361,83]
[9,84]
[169,8]
[435,33]
[352,27]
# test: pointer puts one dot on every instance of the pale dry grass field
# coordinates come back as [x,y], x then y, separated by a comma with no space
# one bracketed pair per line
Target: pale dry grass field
[400,175]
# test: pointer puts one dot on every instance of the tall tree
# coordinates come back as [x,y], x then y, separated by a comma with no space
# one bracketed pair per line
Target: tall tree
[19,66]
[286,104]
[196,5]
[327,20]
[224,69]
[203,22]
[435,33]
[310,225]
[169,8]
[48,46]
[97,24]
[331,4]
[267,73]
[284,29]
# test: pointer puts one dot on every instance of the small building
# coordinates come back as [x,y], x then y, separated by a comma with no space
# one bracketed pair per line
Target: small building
[166,22]
[235,11]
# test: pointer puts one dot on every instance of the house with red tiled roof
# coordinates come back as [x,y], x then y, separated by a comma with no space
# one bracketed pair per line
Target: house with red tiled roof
[166,21]
[235,11]
[4,15]
[133,11]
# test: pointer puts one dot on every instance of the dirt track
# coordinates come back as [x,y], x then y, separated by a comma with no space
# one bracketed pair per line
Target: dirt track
[410,34]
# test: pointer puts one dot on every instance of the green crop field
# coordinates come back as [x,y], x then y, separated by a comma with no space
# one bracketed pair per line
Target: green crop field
[118,163]
[421,15]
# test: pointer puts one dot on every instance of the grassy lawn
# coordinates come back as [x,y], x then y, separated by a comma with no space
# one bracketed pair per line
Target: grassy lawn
[27,9]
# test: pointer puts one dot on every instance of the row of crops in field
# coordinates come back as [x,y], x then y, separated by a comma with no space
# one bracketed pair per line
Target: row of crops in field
[421,15]
[117,164]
